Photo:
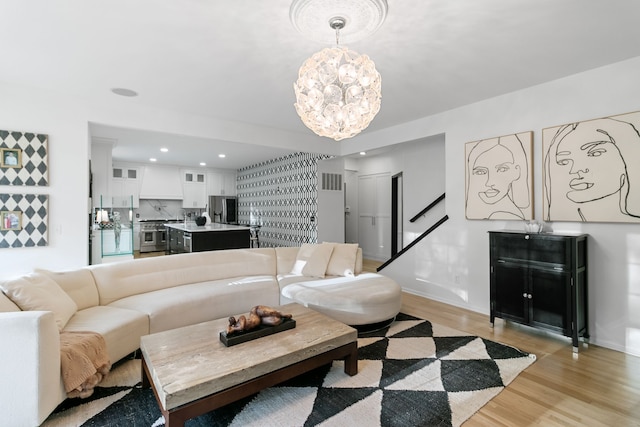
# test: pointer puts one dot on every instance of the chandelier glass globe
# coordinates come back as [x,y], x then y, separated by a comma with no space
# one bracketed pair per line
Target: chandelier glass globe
[338,92]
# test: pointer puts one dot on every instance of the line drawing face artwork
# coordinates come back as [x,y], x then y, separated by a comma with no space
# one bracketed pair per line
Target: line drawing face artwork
[498,178]
[592,170]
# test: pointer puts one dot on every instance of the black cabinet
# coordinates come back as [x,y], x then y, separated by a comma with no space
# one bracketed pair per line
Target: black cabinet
[175,241]
[217,240]
[540,280]
[180,241]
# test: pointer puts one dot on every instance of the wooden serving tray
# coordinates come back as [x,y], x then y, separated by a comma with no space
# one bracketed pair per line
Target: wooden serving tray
[259,332]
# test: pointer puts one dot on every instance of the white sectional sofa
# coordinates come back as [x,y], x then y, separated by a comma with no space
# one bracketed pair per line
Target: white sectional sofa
[124,301]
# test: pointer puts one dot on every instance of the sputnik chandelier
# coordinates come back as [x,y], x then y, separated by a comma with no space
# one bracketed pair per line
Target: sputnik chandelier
[338,91]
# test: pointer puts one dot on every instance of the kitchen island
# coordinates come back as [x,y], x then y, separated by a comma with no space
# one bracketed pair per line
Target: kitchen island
[190,237]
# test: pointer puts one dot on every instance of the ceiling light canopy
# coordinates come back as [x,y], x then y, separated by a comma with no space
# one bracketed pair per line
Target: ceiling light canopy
[338,91]
[362,17]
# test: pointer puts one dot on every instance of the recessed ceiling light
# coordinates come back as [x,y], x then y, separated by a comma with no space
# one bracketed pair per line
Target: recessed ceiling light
[222,156]
[124,92]
[203,164]
[153,159]
[164,150]
[363,153]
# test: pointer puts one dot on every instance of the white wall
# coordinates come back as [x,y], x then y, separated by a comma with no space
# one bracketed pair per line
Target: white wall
[453,265]
[331,217]
[422,164]
[66,120]
[68,190]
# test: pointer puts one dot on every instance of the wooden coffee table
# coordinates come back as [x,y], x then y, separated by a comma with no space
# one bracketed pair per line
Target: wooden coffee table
[192,372]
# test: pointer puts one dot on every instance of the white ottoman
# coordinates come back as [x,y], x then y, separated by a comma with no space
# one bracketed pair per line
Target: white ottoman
[365,299]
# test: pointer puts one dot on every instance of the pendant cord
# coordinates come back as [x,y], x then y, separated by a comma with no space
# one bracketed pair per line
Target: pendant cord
[337,24]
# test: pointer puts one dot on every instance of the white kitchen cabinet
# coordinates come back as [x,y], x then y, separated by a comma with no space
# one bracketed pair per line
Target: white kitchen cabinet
[189,176]
[125,187]
[221,183]
[194,189]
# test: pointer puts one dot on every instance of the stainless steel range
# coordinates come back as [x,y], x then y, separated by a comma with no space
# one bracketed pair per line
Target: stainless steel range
[153,234]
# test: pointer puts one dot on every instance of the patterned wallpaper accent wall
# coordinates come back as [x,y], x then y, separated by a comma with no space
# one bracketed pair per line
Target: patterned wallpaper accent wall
[281,195]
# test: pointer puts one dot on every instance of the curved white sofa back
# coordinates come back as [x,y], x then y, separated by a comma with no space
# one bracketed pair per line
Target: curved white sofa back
[286,257]
[149,274]
[120,280]
[78,284]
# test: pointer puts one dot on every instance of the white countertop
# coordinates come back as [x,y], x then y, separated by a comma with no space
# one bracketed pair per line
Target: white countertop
[214,226]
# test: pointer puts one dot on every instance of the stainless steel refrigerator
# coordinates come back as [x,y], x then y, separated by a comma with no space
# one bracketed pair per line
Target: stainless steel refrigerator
[223,209]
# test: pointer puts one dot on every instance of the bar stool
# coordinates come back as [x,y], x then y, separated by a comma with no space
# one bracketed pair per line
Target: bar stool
[253,236]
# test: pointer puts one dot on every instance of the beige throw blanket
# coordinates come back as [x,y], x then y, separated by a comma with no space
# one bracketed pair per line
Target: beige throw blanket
[84,362]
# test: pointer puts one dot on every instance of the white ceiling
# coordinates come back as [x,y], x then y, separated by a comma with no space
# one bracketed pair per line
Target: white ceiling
[237,60]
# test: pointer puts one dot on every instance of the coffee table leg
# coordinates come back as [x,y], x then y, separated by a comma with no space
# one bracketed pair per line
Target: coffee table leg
[145,376]
[351,361]
[170,419]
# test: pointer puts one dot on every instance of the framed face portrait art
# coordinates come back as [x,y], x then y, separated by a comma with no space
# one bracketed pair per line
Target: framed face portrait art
[498,178]
[591,170]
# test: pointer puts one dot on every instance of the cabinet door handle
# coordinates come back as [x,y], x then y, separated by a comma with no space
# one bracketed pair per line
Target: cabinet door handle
[529,296]
[526,237]
[524,295]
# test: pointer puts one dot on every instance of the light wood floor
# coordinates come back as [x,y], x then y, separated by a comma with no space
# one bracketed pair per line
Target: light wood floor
[370,266]
[596,387]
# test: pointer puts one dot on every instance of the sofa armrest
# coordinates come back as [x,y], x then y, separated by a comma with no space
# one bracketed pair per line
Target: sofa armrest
[30,369]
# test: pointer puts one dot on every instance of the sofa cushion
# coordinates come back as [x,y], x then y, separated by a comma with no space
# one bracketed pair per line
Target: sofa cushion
[364,299]
[343,259]
[36,291]
[121,328]
[6,305]
[78,284]
[312,260]
[286,258]
[200,302]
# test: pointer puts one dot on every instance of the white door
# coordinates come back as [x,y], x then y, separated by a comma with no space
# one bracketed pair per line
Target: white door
[351,206]
[374,216]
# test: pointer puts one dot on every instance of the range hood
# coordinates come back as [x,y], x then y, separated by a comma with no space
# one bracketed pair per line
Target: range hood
[161,182]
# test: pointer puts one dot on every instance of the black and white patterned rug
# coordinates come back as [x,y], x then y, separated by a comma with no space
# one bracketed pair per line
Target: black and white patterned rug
[412,373]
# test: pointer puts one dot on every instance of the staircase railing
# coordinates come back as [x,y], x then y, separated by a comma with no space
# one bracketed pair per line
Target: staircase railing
[410,245]
[423,235]
[425,210]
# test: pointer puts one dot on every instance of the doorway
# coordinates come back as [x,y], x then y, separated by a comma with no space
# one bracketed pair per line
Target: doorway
[374,216]
[396,214]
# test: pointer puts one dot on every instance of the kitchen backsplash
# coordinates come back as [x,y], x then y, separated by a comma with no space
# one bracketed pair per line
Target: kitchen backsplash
[157,209]
[164,209]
